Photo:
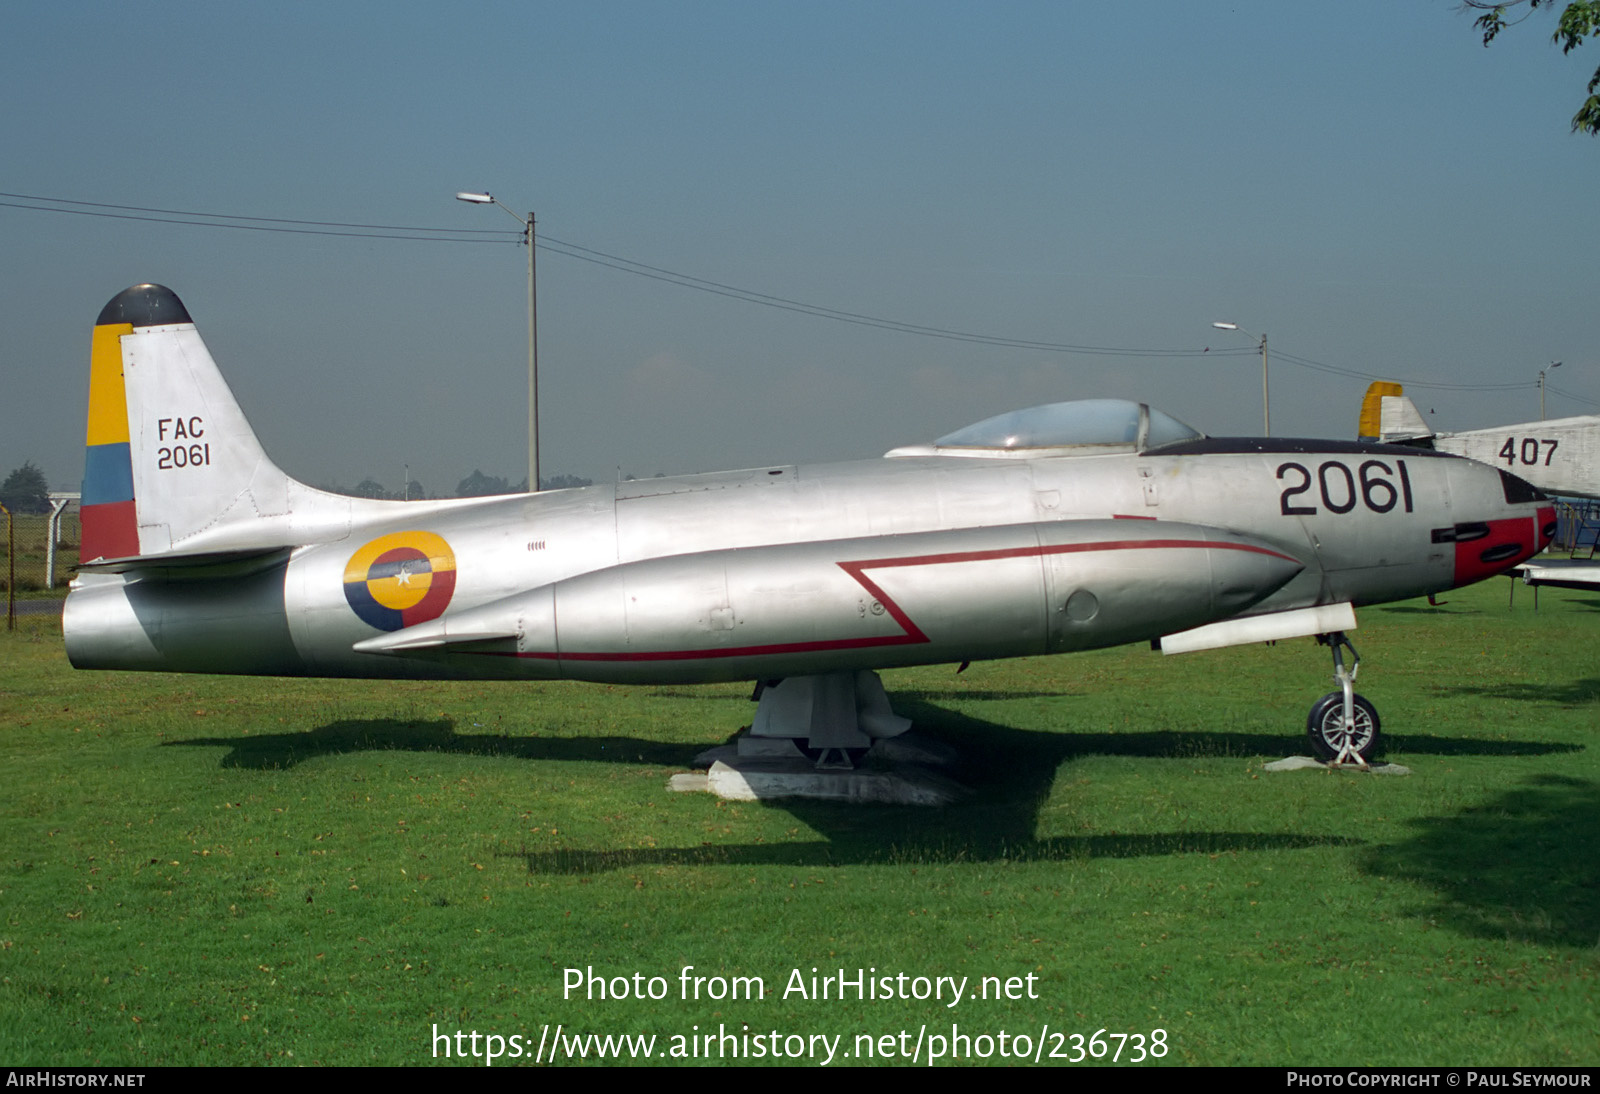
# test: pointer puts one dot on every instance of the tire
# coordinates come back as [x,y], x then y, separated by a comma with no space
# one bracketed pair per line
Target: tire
[1326,730]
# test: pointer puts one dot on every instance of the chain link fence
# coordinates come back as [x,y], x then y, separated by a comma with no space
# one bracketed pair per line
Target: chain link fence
[32,567]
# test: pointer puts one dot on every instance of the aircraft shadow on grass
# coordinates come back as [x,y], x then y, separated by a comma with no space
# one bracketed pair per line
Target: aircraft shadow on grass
[970,694]
[1571,694]
[279,751]
[1010,770]
[1520,867]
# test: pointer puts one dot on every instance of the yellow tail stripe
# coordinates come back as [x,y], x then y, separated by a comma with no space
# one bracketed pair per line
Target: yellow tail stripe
[1371,424]
[108,398]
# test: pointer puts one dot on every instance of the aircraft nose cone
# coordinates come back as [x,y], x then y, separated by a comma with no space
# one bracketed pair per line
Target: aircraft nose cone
[1517,523]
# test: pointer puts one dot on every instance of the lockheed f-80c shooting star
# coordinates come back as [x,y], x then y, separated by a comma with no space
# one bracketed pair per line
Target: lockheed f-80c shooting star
[1064,527]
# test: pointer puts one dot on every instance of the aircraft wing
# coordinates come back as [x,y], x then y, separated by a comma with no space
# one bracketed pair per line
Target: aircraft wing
[1561,573]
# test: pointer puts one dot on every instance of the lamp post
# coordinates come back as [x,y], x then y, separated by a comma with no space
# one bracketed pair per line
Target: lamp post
[1547,368]
[533,331]
[1266,403]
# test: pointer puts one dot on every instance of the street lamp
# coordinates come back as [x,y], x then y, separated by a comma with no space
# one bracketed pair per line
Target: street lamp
[1266,405]
[533,332]
[1547,368]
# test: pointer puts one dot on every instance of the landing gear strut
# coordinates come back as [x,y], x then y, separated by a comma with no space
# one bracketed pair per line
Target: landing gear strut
[1343,726]
[834,718]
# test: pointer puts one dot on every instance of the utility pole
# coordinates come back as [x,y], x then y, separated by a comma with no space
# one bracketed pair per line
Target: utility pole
[528,238]
[1266,400]
[1547,368]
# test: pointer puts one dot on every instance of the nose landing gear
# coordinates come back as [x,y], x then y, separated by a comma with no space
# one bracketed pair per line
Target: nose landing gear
[1343,726]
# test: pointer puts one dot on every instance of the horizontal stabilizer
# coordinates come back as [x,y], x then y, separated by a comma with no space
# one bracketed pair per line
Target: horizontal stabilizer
[1561,573]
[197,564]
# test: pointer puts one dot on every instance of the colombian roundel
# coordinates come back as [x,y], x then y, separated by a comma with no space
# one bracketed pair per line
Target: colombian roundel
[401,579]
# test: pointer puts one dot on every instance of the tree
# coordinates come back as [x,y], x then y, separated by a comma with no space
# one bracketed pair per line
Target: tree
[479,485]
[25,490]
[1580,19]
[563,482]
[372,488]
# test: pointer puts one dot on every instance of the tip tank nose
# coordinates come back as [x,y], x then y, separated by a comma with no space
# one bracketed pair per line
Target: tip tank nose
[1244,573]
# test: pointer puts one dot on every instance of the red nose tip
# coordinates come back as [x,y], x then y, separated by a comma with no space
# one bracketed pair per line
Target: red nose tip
[1497,545]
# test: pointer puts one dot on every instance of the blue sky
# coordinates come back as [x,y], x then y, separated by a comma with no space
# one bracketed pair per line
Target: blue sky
[1363,181]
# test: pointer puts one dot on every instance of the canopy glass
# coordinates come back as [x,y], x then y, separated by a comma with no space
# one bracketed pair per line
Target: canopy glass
[1115,424]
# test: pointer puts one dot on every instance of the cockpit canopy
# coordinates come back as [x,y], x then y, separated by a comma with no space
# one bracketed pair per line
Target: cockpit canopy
[1086,427]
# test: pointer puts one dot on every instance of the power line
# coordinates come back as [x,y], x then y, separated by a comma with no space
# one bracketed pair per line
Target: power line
[628,265]
[1569,395]
[688,281]
[269,220]
[583,254]
[655,273]
[267,224]
[1357,374]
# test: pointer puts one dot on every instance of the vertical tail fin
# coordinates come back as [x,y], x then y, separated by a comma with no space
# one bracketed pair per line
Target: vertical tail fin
[172,465]
[1387,415]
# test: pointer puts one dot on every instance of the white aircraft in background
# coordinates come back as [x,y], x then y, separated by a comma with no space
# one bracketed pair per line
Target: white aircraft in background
[1561,456]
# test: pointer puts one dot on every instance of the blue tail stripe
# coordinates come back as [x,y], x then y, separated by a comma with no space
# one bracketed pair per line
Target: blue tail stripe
[107,474]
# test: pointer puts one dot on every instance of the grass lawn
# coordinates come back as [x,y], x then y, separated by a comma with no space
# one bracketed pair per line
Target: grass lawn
[225,870]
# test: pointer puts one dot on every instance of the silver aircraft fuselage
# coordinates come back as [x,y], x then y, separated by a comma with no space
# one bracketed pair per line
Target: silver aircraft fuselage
[799,570]
[1064,527]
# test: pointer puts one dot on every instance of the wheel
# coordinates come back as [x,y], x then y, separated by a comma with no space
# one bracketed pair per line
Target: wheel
[1325,727]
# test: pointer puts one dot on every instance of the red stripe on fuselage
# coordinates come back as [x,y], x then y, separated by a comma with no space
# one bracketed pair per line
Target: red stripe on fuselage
[913,635]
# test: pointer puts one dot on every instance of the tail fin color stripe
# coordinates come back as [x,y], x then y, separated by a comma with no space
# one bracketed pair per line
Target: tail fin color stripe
[1371,424]
[108,398]
[110,522]
[107,475]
